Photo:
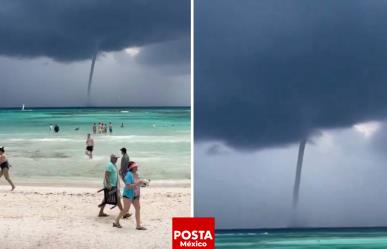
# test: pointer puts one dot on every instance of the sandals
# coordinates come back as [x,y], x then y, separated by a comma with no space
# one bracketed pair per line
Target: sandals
[117,225]
[103,215]
[126,216]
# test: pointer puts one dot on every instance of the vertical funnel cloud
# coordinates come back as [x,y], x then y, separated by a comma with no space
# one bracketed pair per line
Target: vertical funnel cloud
[296,188]
[91,74]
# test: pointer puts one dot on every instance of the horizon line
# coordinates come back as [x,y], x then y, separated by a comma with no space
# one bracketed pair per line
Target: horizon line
[273,229]
[54,107]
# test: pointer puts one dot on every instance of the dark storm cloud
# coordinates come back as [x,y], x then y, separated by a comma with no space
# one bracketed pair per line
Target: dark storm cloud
[73,30]
[173,53]
[270,72]
[167,53]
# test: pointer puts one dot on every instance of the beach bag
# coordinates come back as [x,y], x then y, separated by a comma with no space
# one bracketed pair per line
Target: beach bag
[110,197]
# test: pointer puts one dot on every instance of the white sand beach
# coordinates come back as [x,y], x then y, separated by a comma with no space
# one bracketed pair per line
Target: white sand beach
[55,216]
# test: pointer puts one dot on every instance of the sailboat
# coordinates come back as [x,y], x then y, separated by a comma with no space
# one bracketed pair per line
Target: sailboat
[25,110]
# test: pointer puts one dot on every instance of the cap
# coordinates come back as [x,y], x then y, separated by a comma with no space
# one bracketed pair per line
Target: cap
[134,165]
[113,156]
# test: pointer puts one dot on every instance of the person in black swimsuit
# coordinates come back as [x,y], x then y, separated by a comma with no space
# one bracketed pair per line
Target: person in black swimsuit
[89,146]
[4,165]
[56,128]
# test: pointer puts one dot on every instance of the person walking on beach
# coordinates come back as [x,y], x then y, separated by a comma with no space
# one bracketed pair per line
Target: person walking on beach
[124,163]
[110,128]
[131,195]
[51,128]
[124,166]
[111,183]
[4,165]
[89,146]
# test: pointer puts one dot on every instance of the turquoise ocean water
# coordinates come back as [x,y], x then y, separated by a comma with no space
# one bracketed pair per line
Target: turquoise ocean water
[346,238]
[157,138]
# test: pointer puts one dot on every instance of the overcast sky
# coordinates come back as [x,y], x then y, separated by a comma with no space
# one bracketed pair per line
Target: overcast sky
[143,52]
[269,73]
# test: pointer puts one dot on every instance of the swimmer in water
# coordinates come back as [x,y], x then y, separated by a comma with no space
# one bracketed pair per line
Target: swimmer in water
[110,128]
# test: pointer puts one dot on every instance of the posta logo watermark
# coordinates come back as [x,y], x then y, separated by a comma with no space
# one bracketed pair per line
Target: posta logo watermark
[193,233]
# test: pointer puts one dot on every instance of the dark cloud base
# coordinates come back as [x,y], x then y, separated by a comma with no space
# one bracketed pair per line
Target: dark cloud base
[270,72]
[74,30]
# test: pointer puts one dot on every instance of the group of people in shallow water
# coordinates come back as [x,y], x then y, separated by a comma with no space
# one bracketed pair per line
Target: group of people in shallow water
[128,174]
[102,128]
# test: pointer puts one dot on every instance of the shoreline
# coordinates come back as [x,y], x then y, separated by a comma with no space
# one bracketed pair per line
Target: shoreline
[18,108]
[86,182]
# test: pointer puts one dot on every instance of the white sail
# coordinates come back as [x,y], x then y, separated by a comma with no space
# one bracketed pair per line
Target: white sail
[22,108]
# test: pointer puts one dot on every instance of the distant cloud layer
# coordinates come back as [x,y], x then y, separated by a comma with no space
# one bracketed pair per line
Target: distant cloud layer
[73,30]
[270,72]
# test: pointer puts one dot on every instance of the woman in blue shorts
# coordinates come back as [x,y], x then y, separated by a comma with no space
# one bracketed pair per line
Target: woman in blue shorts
[131,195]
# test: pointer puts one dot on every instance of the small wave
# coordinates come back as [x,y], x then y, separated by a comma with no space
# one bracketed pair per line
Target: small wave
[225,234]
[98,158]
[242,234]
[57,155]
[126,139]
[146,139]
[44,140]
[236,244]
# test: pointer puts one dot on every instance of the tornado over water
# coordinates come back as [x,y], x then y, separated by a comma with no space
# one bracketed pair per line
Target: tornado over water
[297,181]
[91,74]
